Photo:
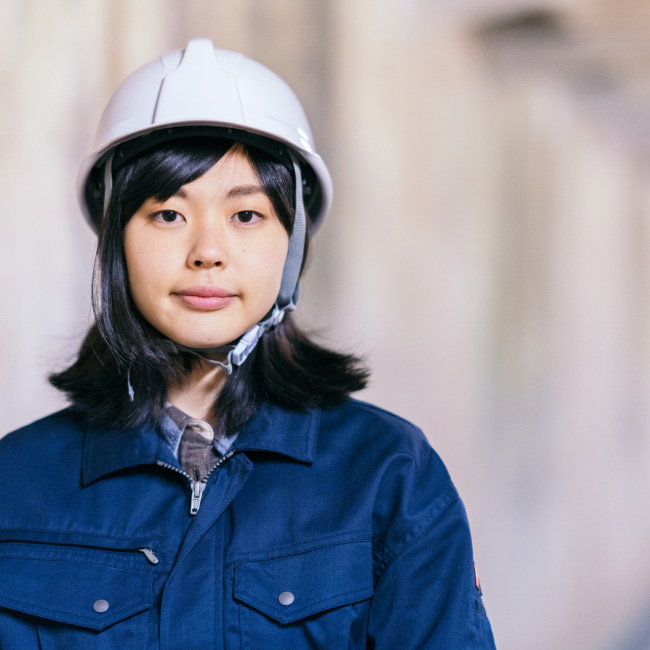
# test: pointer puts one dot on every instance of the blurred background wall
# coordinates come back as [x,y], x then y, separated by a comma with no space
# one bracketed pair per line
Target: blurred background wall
[489,251]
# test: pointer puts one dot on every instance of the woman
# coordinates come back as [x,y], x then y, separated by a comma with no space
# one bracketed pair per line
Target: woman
[212,484]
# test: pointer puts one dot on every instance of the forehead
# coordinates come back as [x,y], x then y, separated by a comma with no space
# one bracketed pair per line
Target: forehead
[231,176]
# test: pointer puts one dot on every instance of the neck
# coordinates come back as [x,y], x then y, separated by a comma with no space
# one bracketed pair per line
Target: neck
[197,395]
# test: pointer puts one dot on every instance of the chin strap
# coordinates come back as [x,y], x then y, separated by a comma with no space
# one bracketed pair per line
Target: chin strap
[108,184]
[238,351]
[289,289]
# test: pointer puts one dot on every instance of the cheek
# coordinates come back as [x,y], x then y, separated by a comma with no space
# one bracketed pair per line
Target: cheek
[269,265]
[145,267]
[135,266]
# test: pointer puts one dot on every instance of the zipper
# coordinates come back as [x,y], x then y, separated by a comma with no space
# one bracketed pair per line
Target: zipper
[197,487]
[197,496]
[148,552]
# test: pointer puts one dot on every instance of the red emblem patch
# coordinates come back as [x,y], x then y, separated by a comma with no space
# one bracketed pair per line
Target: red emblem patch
[478,584]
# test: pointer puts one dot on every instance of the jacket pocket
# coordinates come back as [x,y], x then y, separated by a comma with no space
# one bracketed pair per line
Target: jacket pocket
[304,600]
[77,597]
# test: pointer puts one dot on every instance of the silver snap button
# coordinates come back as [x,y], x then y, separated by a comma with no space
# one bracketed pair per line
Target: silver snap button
[286,598]
[100,606]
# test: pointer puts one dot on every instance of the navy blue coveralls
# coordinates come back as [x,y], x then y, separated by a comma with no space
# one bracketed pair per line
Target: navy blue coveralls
[334,529]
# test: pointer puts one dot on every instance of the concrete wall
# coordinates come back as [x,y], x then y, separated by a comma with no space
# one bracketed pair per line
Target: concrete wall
[488,250]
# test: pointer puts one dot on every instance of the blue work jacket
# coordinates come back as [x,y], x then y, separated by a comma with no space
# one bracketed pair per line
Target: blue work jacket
[336,528]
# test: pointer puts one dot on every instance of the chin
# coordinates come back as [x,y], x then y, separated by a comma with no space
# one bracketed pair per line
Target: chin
[195,340]
[204,337]
[200,344]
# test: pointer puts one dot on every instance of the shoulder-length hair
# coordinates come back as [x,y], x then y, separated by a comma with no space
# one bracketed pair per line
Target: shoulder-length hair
[122,350]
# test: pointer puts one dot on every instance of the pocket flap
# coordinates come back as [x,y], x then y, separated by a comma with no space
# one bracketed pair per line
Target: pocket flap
[90,588]
[292,587]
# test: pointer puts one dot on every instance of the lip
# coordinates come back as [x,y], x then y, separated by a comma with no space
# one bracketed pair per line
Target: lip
[205,297]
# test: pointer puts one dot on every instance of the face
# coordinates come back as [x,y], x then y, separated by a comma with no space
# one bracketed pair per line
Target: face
[206,265]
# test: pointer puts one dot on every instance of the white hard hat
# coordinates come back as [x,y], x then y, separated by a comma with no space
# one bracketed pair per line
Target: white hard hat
[216,91]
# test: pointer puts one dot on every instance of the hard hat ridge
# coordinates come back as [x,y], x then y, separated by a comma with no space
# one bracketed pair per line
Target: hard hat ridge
[199,89]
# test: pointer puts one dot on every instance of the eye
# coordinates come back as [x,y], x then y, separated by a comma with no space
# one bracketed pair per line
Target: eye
[247,217]
[168,216]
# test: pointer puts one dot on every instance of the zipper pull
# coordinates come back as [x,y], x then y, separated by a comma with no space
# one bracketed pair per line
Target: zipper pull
[197,495]
[149,554]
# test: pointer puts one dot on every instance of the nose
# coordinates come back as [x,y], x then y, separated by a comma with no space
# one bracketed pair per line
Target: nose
[208,249]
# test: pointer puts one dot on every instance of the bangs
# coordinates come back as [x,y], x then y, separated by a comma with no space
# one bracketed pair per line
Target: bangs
[159,173]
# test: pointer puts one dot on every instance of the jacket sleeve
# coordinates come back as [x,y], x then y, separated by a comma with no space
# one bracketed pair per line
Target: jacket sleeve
[427,595]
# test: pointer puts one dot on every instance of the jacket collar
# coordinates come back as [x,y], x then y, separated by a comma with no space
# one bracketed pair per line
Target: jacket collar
[281,431]
[271,429]
[110,450]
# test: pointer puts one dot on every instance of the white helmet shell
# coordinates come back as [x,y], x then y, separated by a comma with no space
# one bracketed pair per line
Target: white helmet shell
[206,87]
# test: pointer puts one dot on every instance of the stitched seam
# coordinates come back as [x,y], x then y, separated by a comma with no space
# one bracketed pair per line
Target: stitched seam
[381,555]
[115,613]
[77,561]
[69,534]
[260,445]
[289,551]
[442,503]
[307,608]
[386,414]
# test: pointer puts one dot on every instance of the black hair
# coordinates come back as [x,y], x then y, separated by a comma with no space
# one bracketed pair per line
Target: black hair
[123,350]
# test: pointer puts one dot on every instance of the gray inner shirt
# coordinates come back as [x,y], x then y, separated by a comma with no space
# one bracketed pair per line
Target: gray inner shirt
[192,442]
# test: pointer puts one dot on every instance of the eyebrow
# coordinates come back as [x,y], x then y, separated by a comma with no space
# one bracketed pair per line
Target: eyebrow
[245,190]
[234,192]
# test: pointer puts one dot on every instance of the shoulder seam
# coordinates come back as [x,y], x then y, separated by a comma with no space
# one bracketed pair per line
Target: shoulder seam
[384,412]
[439,506]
